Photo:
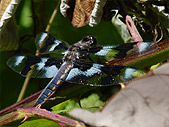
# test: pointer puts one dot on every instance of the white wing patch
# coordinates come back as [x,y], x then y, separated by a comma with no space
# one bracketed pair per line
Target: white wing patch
[104,51]
[88,73]
[52,48]
[41,64]
[51,71]
[18,60]
[42,38]
[143,46]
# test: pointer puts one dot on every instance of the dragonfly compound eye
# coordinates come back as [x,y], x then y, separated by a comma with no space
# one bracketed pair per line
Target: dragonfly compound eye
[93,40]
[90,39]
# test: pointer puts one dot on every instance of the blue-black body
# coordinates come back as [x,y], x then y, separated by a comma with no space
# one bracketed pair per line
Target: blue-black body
[54,83]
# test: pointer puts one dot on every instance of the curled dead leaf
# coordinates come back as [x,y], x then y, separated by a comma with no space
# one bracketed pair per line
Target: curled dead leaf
[83,12]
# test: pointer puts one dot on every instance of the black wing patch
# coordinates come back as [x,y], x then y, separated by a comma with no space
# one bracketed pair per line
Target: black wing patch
[123,49]
[46,43]
[93,74]
[39,67]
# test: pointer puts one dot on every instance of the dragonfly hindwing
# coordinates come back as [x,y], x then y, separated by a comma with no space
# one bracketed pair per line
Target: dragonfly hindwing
[93,74]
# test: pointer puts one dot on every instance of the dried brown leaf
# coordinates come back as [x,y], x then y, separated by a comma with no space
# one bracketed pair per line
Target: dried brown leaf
[82,12]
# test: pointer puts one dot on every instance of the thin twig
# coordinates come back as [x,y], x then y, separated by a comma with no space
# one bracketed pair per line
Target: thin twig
[34,18]
[52,17]
[37,53]
[156,33]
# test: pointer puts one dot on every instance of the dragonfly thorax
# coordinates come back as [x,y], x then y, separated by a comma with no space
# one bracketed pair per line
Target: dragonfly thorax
[76,51]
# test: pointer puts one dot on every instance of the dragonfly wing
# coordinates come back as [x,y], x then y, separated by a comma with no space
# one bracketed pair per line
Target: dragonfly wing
[93,74]
[123,49]
[46,43]
[104,50]
[37,66]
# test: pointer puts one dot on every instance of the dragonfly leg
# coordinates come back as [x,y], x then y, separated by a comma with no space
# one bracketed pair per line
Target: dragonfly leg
[53,98]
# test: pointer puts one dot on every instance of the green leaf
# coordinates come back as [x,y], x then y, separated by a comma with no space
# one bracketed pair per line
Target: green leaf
[39,123]
[91,103]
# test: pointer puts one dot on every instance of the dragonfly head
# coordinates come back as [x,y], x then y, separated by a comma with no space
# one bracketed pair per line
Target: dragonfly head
[90,40]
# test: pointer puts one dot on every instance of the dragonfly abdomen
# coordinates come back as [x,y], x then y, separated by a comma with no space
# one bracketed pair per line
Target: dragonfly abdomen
[54,83]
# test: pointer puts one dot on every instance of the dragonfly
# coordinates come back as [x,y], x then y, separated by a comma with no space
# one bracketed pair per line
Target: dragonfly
[73,67]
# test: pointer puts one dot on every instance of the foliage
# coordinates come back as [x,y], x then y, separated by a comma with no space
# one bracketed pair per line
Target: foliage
[91,103]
